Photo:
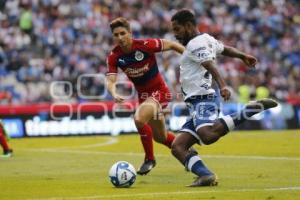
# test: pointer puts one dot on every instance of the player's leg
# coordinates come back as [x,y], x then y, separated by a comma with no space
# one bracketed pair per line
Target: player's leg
[210,134]
[160,133]
[181,145]
[181,149]
[6,150]
[161,98]
[151,108]
[142,116]
[204,110]
[150,112]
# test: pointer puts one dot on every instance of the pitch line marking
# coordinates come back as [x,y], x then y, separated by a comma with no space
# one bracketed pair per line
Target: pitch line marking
[293,188]
[65,150]
[110,141]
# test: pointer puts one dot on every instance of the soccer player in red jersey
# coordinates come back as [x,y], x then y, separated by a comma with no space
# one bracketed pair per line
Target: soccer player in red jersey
[7,152]
[136,58]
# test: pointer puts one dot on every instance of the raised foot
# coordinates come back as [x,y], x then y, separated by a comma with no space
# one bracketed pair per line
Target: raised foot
[263,104]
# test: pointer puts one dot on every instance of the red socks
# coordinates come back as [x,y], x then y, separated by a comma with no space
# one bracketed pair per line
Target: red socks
[146,138]
[169,140]
[3,139]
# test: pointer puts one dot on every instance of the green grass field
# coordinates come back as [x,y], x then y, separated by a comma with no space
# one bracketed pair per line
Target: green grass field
[250,165]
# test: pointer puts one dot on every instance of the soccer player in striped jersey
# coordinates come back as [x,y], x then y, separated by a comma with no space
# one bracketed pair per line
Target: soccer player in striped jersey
[198,68]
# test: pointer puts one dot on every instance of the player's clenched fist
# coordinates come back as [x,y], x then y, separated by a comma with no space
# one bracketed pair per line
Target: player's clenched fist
[225,93]
[249,60]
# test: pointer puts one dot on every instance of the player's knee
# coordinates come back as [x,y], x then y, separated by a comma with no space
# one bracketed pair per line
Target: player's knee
[206,141]
[159,138]
[205,137]
[176,148]
[139,123]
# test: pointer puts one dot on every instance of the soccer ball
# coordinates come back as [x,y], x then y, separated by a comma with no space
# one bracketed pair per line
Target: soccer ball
[122,174]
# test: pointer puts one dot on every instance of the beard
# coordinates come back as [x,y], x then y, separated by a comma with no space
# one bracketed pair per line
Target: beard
[184,40]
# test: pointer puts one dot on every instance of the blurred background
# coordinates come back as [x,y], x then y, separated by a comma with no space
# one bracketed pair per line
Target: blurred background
[53,52]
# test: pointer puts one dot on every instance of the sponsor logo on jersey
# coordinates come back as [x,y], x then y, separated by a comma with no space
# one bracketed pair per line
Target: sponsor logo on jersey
[139,56]
[204,55]
[137,72]
[199,49]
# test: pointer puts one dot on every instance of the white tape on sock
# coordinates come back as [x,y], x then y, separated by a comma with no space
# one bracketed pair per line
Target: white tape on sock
[192,161]
[229,122]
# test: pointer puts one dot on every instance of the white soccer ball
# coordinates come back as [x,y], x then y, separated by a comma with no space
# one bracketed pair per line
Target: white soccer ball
[122,174]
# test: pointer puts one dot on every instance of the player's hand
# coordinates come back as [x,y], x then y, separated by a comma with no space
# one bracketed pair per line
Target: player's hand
[118,98]
[225,93]
[250,61]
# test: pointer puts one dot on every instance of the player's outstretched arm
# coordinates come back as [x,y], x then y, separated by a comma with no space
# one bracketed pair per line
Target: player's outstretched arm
[111,80]
[249,60]
[210,66]
[171,45]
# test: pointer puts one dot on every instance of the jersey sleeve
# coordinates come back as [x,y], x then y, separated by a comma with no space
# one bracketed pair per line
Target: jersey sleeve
[205,49]
[219,46]
[111,65]
[153,45]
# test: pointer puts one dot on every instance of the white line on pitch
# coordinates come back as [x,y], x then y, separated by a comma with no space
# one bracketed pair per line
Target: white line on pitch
[164,155]
[110,141]
[170,193]
[107,143]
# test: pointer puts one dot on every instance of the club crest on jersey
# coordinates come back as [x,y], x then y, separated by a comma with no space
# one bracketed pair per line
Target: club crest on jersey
[139,56]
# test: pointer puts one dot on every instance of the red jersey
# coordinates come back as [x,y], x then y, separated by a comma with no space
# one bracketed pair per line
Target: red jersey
[140,66]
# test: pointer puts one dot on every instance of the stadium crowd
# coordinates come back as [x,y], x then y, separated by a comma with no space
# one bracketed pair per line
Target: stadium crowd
[42,41]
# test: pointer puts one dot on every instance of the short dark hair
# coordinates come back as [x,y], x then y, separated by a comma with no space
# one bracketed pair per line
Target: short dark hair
[183,16]
[119,22]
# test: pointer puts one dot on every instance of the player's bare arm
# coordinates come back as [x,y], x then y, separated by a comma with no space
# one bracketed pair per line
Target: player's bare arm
[111,80]
[249,60]
[171,45]
[210,66]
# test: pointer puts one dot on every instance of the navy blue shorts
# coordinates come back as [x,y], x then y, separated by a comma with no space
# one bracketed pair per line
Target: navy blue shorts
[204,111]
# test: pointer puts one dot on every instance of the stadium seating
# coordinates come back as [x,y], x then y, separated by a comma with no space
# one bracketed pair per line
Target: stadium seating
[50,40]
